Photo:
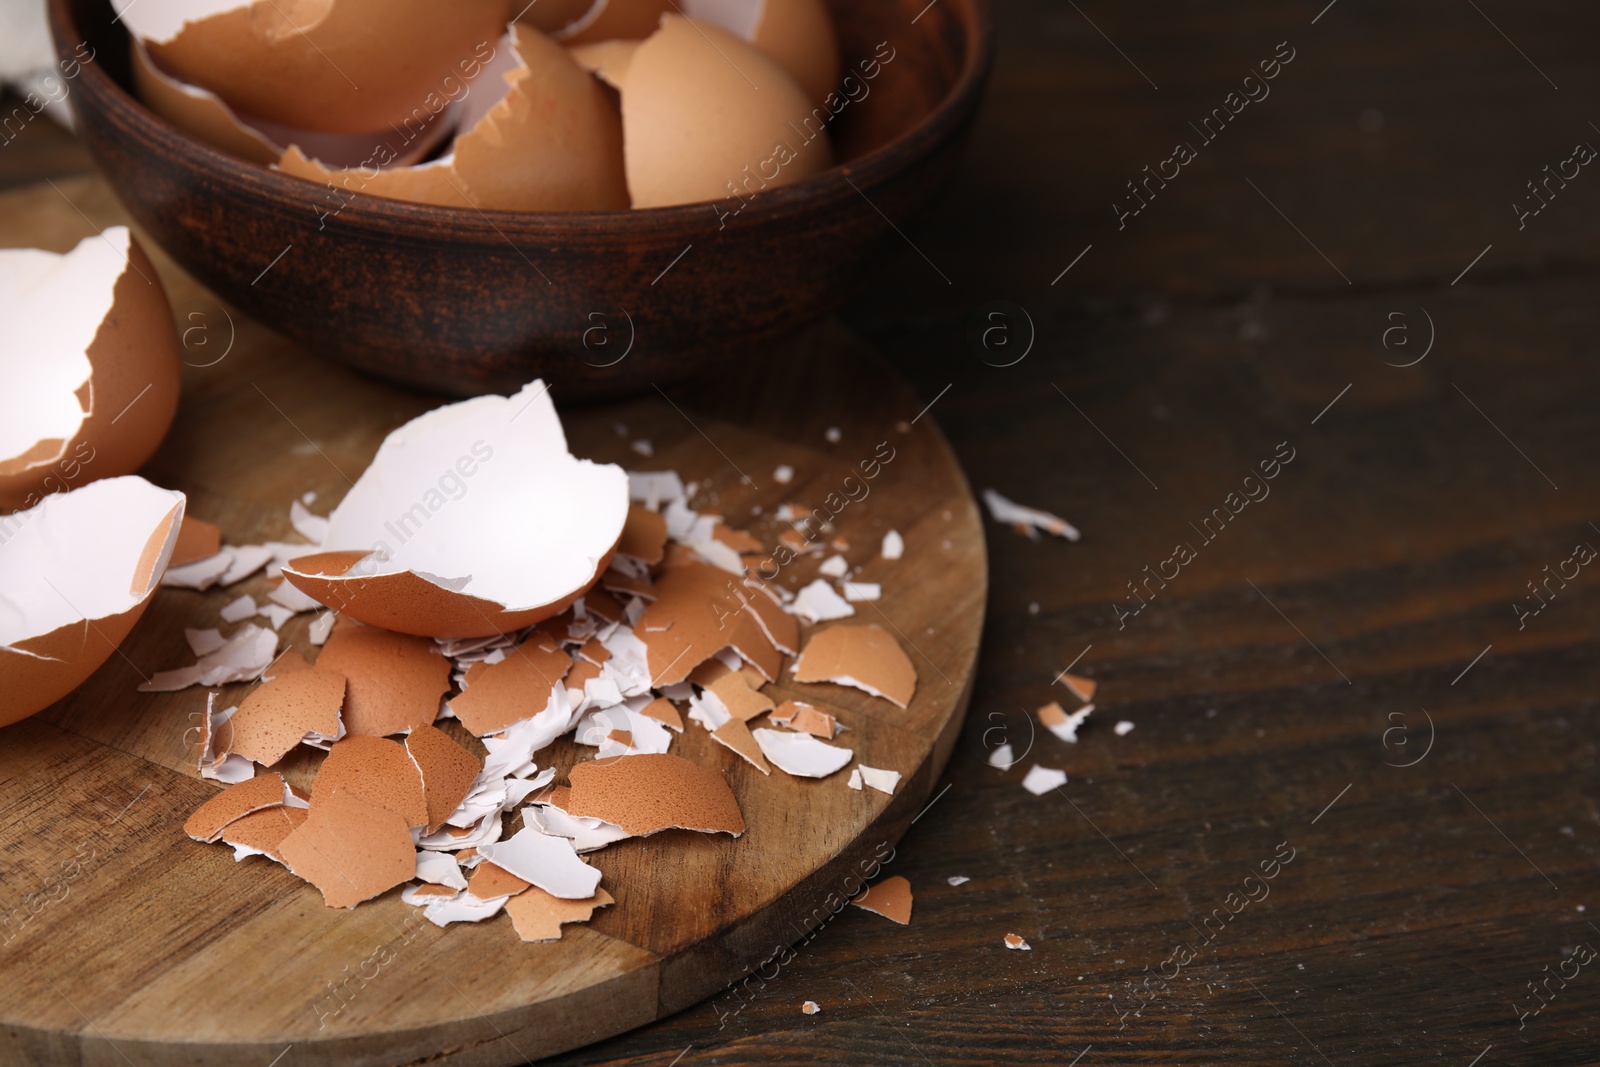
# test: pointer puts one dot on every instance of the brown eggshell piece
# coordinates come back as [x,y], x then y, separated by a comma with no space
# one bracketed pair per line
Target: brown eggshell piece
[378,771]
[265,829]
[350,850]
[865,656]
[549,16]
[806,718]
[410,604]
[197,539]
[645,794]
[644,535]
[277,715]
[738,540]
[800,35]
[663,711]
[890,898]
[609,20]
[735,734]
[518,687]
[447,769]
[698,611]
[742,702]
[336,65]
[538,916]
[489,881]
[1081,687]
[395,680]
[233,803]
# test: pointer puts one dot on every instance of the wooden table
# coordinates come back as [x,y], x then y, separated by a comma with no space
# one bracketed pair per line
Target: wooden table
[1360,618]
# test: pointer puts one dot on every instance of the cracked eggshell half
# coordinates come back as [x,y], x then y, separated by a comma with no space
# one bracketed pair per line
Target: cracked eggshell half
[473,520]
[799,34]
[91,363]
[340,66]
[538,134]
[75,575]
[706,115]
[204,115]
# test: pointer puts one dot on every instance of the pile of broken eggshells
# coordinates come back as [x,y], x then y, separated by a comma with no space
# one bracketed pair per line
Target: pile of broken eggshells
[434,778]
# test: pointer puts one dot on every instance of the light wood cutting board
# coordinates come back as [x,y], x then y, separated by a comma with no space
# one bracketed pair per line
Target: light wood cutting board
[122,941]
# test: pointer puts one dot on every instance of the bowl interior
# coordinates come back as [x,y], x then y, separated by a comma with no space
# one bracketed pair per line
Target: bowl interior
[902,59]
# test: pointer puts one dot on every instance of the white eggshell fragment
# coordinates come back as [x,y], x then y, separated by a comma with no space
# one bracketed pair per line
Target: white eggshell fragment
[473,520]
[76,572]
[90,361]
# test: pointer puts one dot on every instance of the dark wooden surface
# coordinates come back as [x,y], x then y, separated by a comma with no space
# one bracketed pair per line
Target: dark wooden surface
[1263,679]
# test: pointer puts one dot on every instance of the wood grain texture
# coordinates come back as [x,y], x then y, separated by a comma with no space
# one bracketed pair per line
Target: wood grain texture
[152,947]
[1407,927]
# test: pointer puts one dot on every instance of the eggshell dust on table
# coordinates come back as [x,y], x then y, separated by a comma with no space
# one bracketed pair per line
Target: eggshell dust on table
[78,570]
[90,361]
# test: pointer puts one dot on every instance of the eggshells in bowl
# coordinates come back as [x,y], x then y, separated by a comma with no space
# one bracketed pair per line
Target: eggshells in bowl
[91,365]
[706,115]
[76,573]
[473,520]
[333,65]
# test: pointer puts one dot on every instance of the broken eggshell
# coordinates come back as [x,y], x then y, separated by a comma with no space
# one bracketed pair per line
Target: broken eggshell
[91,363]
[537,134]
[341,66]
[798,34]
[705,114]
[473,520]
[75,575]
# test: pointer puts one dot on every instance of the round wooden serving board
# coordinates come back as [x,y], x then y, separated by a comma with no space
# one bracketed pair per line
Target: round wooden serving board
[122,941]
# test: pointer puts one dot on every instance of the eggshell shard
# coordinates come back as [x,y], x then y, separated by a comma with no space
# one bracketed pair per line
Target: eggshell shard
[197,539]
[448,771]
[801,755]
[490,880]
[644,535]
[798,34]
[698,611]
[91,363]
[706,115]
[76,573]
[377,770]
[548,16]
[235,802]
[336,65]
[866,657]
[539,135]
[538,916]
[504,550]
[608,20]
[394,680]
[649,793]
[263,831]
[550,863]
[350,850]
[496,695]
[890,898]
[607,60]
[277,715]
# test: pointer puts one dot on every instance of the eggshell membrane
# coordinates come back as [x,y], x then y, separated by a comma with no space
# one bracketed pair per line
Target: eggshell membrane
[609,20]
[203,114]
[333,65]
[377,770]
[448,772]
[125,401]
[350,850]
[692,122]
[798,34]
[394,680]
[649,793]
[277,715]
[551,141]
[120,526]
[532,527]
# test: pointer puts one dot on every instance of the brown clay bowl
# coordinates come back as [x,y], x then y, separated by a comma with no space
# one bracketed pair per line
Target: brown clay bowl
[599,303]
